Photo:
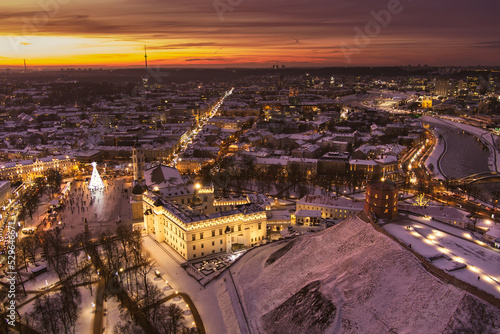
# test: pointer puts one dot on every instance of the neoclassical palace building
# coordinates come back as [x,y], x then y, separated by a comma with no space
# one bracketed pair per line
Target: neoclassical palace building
[190,219]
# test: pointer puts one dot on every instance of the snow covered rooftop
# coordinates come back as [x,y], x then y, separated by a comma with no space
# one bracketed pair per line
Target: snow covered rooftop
[163,176]
[341,202]
[308,213]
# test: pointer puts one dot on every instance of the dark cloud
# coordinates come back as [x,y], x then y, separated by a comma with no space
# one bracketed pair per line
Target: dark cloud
[488,45]
[181,46]
[424,28]
[203,59]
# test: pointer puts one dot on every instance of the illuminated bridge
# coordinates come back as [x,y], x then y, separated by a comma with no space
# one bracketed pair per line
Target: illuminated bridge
[484,177]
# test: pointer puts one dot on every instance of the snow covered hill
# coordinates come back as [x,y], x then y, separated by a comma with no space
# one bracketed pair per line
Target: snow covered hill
[352,279]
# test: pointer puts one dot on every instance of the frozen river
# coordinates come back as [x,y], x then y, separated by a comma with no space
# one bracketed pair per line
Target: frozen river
[465,154]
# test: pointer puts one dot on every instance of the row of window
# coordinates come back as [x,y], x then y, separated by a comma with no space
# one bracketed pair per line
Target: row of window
[203,245]
[172,237]
[203,253]
[220,231]
[386,196]
[172,242]
[300,207]
[178,232]
[375,204]
[221,248]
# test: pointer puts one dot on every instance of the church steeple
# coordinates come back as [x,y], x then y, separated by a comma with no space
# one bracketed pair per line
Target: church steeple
[138,164]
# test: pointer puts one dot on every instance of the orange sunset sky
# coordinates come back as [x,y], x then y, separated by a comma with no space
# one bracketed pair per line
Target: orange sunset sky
[247,33]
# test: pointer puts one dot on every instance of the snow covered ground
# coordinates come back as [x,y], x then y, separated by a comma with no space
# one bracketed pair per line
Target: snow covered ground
[205,299]
[85,322]
[482,262]
[375,285]
[450,229]
[433,158]
[101,208]
[112,314]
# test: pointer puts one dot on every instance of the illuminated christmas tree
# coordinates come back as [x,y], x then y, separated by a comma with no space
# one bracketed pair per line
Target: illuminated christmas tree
[420,200]
[95,181]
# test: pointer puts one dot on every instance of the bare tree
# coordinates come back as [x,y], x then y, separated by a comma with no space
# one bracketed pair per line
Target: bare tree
[87,275]
[45,244]
[57,313]
[150,294]
[62,266]
[44,315]
[190,330]
[177,318]
[54,180]
[69,300]
[111,252]
[57,243]
[127,325]
[32,244]
[22,252]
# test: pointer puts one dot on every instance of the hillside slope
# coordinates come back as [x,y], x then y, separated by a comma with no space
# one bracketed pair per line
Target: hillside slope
[352,279]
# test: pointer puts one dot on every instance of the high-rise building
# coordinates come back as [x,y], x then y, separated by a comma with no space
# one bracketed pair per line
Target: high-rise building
[441,87]
[280,81]
[472,83]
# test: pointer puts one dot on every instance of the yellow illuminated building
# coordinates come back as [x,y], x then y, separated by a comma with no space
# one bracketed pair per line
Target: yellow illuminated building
[426,103]
[200,225]
[30,169]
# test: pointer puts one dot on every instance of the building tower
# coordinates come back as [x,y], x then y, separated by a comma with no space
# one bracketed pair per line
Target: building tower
[381,199]
[138,164]
[441,87]
[139,188]
[145,57]
[95,181]
[197,204]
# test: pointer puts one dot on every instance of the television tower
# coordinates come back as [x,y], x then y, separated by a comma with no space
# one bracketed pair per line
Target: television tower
[25,65]
[145,57]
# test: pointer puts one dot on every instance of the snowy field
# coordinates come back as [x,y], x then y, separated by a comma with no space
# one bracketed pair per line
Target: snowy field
[375,285]
[482,262]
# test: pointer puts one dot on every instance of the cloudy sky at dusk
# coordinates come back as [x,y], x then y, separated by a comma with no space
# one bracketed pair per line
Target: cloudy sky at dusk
[247,33]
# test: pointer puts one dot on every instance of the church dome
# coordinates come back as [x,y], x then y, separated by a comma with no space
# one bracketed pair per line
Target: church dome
[138,189]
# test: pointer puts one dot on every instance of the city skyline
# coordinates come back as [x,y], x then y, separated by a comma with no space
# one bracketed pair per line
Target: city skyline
[248,34]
